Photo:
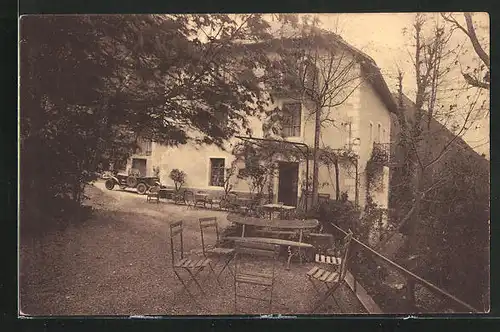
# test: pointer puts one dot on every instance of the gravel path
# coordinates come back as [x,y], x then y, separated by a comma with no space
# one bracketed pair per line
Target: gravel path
[118,263]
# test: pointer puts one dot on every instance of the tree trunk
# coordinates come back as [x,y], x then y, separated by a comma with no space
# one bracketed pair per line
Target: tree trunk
[317,133]
[414,219]
[337,187]
[412,244]
[356,185]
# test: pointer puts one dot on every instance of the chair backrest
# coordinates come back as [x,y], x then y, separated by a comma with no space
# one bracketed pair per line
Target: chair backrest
[255,249]
[176,231]
[345,254]
[232,197]
[154,189]
[323,197]
[208,223]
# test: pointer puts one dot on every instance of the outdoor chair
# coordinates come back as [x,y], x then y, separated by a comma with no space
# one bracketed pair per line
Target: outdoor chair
[153,194]
[331,273]
[219,201]
[201,197]
[232,203]
[225,255]
[193,266]
[179,197]
[248,275]
[189,198]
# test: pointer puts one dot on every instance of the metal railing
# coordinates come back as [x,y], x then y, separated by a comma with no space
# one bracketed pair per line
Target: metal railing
[455,304]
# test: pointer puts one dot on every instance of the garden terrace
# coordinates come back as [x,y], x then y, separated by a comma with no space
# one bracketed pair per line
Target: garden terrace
[117,263]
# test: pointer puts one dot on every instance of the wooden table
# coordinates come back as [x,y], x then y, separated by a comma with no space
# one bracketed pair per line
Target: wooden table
[277,208]
[280,242]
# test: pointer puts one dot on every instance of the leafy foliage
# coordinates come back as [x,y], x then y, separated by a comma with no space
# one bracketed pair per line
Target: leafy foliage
[90,85]
[374,169]
[455,233]
[257,171]
[343,213]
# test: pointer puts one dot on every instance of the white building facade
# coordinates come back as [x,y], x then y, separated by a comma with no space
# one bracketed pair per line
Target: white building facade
[360,122]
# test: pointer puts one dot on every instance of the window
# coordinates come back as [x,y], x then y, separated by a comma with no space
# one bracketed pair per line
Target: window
[371,131]
[145,146]
[379,132]
[384,136]
[291,119]
[217,172]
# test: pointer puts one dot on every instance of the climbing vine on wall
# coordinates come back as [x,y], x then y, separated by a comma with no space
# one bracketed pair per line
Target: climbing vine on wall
[374,170]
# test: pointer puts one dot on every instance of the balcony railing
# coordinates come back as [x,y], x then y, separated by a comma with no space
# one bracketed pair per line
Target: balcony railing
[381,153]
[403,299]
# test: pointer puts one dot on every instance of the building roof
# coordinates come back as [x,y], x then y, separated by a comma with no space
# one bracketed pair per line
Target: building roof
[370,67]
[445,134]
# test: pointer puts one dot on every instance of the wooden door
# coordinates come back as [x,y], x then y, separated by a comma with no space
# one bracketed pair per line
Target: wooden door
[288,183]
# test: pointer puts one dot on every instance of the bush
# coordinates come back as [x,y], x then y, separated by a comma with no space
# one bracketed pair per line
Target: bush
[342,213]
[179,178]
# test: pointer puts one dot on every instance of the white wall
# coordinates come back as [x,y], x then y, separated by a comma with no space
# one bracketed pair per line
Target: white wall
[372,111]
[362,108]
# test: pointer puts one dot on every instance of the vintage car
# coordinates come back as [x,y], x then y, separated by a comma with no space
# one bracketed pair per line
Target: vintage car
[140,183]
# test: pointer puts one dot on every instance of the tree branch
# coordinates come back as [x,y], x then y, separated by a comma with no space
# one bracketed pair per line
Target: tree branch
[475,42]
[475,82]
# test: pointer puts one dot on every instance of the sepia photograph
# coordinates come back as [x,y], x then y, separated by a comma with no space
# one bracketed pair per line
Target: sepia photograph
[268,165]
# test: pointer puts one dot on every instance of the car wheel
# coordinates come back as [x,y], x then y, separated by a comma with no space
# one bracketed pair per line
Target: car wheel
[110,184]
[142,188]
[131,181]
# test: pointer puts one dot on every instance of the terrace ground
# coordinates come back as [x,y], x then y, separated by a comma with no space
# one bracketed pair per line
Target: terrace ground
[118,263]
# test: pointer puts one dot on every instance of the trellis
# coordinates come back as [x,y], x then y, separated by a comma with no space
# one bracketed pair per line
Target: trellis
[270,148]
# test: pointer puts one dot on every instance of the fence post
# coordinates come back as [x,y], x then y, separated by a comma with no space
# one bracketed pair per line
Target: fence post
[410,293]
[354,254]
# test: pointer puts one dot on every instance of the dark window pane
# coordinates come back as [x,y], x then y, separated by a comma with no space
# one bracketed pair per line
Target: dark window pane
[291,119]
[217,172]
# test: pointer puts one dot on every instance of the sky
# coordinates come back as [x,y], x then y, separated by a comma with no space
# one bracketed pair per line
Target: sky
[380,35]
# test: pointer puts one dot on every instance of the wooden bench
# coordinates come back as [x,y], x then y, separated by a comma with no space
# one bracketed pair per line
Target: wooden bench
[296,246]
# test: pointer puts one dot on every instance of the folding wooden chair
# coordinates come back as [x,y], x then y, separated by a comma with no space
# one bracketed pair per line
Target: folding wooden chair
[332,279]
[153,194]
[225,254]
[264,279]
[193,266]
[189,199]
